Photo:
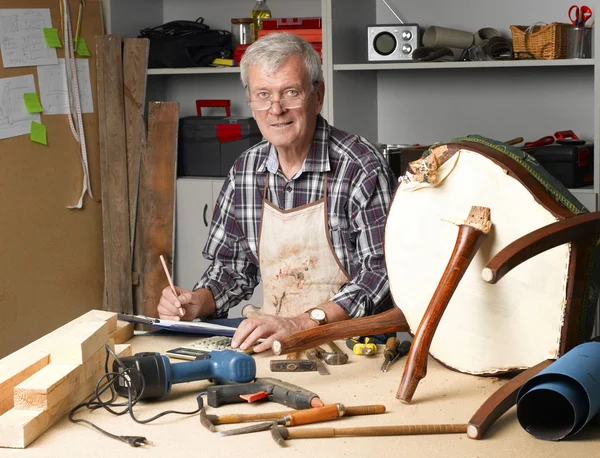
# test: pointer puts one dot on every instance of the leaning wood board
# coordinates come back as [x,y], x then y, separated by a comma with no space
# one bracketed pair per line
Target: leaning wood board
[156,213]
[113,166]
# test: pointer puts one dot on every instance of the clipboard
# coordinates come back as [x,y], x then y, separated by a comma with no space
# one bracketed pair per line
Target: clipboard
[190,327]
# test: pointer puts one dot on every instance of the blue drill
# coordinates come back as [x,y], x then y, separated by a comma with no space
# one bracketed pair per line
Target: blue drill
[159,374]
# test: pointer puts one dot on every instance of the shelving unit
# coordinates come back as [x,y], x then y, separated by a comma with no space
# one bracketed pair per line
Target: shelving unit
[404,102]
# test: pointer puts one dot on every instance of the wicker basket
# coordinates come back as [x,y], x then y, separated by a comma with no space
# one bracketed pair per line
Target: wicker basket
[543,42]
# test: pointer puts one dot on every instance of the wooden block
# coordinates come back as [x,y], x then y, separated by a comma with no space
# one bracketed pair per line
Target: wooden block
[123,333]
[113,171]
[20,427]
[23,363]
[80,343]
[157,204]
[111,318]
[49,386]
[16,368]
[123,350]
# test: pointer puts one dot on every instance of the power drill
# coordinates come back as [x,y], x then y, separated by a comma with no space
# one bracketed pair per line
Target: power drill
[159,374]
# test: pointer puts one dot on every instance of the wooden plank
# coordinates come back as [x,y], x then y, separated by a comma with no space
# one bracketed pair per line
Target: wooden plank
[123,350]
[123,333]
[80,343]
[20,427]
[23,363]
[48,387]
[113,170]
[135,69]
[157,204]
[14,369]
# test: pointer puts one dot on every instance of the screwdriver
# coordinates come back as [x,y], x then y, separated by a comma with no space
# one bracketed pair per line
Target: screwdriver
[393,351]
[364,346]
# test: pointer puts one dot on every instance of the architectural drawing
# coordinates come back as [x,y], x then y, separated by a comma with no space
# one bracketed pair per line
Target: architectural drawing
[53,87]
[14,118]
[22,37]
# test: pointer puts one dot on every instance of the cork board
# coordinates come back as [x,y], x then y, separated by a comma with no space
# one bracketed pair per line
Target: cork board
[52,262]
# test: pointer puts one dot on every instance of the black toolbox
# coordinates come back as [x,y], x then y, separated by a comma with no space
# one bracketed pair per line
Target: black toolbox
[209,145]
[571,164]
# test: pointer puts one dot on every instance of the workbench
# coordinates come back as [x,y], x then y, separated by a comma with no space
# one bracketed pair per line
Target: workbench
[443,396]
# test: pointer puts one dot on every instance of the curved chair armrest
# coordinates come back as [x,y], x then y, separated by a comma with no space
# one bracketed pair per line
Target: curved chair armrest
[390,321]
[538,241]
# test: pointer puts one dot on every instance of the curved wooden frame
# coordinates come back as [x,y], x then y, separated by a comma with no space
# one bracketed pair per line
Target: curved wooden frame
[578,264]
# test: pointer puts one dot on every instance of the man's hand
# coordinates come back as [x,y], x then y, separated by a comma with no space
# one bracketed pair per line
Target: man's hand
[270,328]
[186,306]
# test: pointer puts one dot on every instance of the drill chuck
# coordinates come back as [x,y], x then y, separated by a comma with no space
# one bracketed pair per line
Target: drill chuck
[159,374]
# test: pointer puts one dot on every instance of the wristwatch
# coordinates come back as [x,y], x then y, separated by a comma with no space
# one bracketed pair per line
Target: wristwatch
[317,315]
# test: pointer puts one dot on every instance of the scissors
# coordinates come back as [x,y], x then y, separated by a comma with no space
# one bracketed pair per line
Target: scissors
[581,15]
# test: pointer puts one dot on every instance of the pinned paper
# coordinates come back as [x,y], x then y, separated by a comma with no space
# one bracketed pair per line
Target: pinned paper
[14,118]
[51,37]
[22,38]
[38,133]
[32,102]
[82,49]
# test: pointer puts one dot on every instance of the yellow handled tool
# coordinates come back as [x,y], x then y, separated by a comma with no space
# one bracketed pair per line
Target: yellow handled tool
[362,346]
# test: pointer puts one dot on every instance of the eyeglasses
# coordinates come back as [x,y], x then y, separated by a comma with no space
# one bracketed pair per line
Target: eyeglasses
[289,100]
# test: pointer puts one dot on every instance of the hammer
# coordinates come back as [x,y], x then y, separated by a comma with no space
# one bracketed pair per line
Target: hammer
[209,421]
[281,433]
[333,358]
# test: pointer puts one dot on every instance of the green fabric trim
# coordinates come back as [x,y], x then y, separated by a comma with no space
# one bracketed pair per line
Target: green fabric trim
[556,189]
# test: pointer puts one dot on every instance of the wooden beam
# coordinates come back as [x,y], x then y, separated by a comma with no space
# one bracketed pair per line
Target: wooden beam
[16,368]
[113,171]
[80,343]
[22,364]
[156,216]
[20,427]
[135,70]
[123,333]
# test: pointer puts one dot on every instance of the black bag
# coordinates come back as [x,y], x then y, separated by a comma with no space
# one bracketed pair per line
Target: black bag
[180,44]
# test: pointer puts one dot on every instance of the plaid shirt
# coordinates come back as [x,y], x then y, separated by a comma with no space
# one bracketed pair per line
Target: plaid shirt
[359,194]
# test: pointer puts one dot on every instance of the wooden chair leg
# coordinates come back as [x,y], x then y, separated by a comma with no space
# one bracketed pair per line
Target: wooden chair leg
[471,235]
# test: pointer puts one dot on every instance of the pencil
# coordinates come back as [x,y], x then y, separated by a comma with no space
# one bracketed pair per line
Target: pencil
[164,264]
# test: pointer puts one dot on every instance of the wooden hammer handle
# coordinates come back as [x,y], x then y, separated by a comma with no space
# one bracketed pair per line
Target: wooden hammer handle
[365,410]
[400,430]
[304,417]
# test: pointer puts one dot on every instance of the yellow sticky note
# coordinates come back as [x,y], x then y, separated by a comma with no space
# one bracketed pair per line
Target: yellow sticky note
[38,133]
[81,48]
[32,102]
[51,36]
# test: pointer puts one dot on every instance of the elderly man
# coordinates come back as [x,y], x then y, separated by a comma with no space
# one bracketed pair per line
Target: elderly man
[304,209]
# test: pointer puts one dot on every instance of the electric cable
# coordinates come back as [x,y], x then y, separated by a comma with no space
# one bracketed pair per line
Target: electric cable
[134,394]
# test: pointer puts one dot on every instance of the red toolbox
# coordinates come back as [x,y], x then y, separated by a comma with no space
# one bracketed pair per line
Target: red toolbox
[291,23]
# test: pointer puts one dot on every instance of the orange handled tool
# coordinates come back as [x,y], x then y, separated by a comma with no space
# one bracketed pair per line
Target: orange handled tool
[301,417]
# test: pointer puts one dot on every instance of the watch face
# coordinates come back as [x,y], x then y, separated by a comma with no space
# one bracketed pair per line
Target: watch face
[317,314]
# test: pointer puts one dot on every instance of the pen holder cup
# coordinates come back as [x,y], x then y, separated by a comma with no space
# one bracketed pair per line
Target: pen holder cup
[579,42]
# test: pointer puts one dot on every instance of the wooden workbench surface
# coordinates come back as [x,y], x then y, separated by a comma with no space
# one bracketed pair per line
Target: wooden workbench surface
[442,397]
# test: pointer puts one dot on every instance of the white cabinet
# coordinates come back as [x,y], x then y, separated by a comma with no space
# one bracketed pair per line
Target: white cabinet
[196,199]
[194,209]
